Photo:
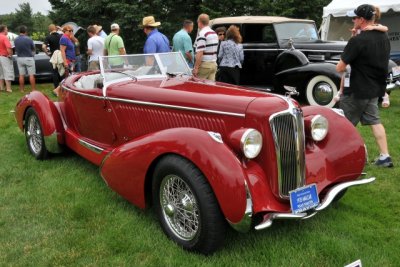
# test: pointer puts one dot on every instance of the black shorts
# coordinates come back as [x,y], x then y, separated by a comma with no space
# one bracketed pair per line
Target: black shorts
[357,110]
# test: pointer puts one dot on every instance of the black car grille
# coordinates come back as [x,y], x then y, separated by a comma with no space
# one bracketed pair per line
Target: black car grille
[288,131]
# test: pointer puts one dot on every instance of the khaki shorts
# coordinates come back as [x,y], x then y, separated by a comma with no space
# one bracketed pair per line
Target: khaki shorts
[207,70]
[357,110]
[26,65]
[6,69]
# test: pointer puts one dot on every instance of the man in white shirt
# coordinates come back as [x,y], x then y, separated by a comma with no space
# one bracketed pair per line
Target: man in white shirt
[95,48]
[206,45]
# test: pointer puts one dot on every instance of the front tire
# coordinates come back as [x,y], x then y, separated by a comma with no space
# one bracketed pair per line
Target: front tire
[34,135]
[321,91]
[186,206]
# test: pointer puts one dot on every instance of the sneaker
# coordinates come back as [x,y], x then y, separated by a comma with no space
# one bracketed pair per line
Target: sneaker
[387,162]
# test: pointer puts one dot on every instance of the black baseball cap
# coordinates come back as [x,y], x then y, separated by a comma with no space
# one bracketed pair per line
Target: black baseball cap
[365,11]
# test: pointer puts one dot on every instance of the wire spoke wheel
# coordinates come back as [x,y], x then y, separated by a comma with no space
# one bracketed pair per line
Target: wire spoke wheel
[34,135]
[179,207]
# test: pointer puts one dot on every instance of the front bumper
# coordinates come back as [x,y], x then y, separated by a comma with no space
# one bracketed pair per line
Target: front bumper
[328,199]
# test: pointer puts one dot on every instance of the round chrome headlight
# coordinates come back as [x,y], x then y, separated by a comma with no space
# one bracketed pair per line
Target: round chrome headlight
[319,128]
[251,143]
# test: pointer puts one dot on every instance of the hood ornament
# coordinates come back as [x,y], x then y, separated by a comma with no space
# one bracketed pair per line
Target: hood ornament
[291,91]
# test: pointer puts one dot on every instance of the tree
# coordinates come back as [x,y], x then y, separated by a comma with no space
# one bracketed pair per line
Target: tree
[129,13]
[23,16]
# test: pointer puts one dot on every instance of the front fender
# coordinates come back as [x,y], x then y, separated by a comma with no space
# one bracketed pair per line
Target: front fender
[126,167]
[299,76]
[49,117]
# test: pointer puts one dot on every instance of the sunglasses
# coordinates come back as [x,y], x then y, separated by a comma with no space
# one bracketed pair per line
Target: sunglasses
[354,18]
[69,31]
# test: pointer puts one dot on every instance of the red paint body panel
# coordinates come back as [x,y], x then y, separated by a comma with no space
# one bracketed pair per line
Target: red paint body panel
[47,111]
[126,167]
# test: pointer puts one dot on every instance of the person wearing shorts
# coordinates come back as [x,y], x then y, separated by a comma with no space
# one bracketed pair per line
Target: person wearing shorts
[6,64]
[25,50]
[367,54]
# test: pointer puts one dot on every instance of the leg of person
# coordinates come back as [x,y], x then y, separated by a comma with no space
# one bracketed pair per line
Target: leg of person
[21,83]
[204,71]
[32,81]
[9,73]
[351,108]
[213,71]
[56,78]
[30,65]
[1,84]
[22,72]
[6,73]
[371,117]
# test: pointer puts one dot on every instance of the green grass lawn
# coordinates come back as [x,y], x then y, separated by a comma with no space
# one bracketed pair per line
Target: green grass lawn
[59,212]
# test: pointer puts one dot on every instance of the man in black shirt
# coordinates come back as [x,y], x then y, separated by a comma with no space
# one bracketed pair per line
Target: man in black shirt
[51,44]
[367,54]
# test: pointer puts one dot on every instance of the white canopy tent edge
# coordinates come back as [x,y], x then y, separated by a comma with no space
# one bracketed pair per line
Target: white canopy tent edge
[336,25]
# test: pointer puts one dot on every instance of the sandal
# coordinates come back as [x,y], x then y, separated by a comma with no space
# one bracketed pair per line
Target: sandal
[385,101]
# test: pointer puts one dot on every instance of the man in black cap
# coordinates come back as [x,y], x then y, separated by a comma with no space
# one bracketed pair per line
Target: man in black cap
[368,55]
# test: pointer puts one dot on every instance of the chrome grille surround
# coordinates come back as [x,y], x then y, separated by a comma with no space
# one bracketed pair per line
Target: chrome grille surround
[288,133]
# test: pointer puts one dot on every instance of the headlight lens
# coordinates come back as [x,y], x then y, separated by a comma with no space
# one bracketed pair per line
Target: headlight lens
[251,143]
[319,128]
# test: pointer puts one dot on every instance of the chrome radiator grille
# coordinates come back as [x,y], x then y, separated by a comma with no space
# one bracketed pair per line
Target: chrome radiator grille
[288,131]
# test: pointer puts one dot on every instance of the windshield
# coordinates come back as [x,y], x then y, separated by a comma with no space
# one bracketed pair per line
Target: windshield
[297,31]
[142,66]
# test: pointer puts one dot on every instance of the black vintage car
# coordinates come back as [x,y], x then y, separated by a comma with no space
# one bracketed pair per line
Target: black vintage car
[282,52]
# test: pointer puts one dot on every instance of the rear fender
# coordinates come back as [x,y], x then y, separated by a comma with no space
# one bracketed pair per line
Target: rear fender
[49,117]
[125,169]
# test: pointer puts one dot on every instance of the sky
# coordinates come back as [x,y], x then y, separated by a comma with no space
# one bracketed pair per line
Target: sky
[8,6]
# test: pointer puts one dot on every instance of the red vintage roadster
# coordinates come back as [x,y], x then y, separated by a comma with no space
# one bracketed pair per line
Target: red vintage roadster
[203,154]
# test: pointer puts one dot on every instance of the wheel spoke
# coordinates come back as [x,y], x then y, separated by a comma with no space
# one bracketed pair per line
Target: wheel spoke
[184,221]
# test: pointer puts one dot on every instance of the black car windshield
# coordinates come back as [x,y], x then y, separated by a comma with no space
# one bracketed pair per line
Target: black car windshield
[297,31]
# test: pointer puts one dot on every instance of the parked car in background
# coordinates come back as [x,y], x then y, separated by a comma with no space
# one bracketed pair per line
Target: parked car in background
[283,51]
[202,153]
[44,69]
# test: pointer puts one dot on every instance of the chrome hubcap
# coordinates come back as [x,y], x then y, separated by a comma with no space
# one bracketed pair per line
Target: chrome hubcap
[179,207]
[34,134]
[323,93]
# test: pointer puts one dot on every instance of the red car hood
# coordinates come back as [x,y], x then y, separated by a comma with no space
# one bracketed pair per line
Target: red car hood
[187,92]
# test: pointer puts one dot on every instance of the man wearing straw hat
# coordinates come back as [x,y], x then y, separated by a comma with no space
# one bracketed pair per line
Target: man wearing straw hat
[156,42]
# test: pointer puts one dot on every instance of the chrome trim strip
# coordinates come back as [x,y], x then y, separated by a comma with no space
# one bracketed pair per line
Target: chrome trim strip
[52,144]
[329,198]
[82,94]
[92,147]
[244,225]
[144,103]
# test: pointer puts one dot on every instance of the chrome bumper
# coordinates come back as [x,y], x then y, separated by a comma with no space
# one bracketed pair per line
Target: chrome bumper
[392,85]
[330,196]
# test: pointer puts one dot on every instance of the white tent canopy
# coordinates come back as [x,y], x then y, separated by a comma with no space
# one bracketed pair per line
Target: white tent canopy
[336,25]
[339,8]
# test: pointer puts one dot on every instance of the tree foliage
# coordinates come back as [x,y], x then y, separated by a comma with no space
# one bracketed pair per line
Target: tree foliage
[129,13]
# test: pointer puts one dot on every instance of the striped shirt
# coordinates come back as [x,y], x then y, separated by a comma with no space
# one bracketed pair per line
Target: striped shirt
[207,41]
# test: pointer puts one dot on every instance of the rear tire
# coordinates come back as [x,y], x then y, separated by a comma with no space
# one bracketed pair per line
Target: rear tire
[320,91]
[186,206]
[34,135]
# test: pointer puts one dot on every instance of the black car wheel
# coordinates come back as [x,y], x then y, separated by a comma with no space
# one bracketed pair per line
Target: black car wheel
[320,91]
[34,135]
[188,211]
